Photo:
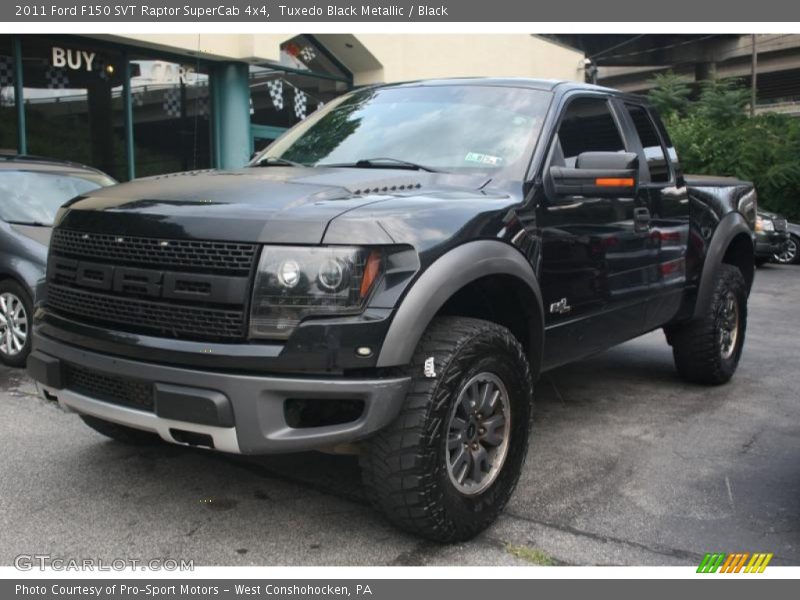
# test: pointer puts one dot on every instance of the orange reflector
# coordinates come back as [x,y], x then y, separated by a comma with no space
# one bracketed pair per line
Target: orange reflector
[614,181]
[371,271]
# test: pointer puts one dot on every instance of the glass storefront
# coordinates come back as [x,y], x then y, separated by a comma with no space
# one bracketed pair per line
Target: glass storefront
[171,116]
[73,103]
[135,112]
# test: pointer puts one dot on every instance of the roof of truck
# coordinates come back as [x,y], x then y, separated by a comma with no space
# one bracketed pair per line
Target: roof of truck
[518,82]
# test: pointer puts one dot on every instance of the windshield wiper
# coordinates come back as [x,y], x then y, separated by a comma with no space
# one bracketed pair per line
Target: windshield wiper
[372,163]
[275,161]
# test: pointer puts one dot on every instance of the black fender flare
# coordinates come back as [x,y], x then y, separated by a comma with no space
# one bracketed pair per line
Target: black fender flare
[446,276]
[728,228]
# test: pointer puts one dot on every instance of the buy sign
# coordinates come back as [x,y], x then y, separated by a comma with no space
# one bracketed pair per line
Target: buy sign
[73,59]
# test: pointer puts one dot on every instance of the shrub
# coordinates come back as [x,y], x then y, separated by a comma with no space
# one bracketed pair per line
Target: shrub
[714,136]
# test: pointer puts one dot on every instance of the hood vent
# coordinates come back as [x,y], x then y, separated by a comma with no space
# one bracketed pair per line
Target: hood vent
[387,189]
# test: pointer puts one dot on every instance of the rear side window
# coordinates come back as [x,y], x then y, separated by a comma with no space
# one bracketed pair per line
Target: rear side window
[588,126]
[653,149]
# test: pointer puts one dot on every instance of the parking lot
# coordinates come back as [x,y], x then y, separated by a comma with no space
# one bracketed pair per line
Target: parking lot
[627,465]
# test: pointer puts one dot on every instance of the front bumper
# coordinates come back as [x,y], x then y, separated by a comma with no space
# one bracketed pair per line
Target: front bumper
[243,414]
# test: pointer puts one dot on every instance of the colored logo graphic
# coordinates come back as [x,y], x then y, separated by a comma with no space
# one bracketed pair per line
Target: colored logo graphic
[735,563]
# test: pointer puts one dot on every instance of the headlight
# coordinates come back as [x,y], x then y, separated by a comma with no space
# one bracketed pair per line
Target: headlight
[293,283]
[764,224]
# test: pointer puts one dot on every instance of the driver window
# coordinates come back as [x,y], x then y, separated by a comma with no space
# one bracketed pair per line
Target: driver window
[587,126]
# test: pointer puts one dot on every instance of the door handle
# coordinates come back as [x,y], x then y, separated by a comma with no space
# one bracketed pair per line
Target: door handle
[641,219]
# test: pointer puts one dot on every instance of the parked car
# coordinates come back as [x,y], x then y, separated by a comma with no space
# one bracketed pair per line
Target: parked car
[389,278]
[31,191]
[772,236]
[789,254]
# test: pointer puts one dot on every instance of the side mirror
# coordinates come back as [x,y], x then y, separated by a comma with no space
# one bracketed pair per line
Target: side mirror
[598,174]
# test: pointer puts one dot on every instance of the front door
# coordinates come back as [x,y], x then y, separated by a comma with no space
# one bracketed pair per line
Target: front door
[596,252]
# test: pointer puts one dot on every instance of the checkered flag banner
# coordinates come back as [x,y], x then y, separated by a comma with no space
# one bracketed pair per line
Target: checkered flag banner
[202,106]
[56,78]
[300,104]
[6,71]
[172,103]
[320,104]
[252,107]
[137,98]
[308,54]
[275,88]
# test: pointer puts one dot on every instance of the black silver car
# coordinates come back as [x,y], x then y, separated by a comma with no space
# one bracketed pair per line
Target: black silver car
[771,236]
[31,191]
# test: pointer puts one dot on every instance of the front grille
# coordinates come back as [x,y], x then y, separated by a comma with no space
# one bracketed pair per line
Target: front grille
[158,318]
[780,224]
[125,391]
[180,289]
[229,258]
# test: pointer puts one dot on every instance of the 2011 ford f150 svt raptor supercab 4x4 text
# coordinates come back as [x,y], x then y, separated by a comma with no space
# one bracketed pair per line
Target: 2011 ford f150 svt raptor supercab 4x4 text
[390,277]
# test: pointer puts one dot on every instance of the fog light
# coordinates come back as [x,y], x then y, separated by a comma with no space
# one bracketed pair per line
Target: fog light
[364,351]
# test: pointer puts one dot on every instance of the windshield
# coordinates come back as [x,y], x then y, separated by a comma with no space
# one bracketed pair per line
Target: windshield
[34,197]
[468,128]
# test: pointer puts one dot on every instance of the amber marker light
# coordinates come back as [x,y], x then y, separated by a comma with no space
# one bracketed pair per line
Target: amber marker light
[614,182]
[371,271]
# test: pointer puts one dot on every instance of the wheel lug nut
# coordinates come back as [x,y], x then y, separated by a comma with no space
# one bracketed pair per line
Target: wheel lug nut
[474,446]
[481,431]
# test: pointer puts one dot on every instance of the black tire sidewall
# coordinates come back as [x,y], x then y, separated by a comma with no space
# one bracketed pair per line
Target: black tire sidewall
[12,287]
[494,356]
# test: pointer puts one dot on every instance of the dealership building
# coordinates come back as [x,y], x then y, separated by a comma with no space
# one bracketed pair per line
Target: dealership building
[141,105]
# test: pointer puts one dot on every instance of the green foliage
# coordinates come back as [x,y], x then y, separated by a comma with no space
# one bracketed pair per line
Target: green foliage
[670,95]
[723,101]
[713,135]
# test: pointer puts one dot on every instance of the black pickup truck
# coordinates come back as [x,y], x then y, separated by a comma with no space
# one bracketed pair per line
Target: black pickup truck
[390,278]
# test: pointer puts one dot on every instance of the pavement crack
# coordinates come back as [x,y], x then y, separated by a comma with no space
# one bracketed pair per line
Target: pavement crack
[660,550]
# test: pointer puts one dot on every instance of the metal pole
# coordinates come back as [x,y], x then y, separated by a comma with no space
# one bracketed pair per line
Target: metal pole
[19,99]
[753,77]
[127,103]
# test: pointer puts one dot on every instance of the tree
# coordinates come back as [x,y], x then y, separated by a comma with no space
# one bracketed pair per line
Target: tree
[714,136]
[670,96]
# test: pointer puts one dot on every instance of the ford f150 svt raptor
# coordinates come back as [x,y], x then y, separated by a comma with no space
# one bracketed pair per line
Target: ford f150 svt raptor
[389,278]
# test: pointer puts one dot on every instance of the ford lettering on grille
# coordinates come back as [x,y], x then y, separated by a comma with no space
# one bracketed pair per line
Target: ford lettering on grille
[146,282]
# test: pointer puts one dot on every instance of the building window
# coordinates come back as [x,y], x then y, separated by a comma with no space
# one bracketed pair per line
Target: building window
[171,116]
[8,114]
[74,103]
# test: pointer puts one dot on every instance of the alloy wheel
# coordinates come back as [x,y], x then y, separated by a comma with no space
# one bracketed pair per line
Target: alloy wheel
[787,253]
[13,324]
[478,434]
[728,325]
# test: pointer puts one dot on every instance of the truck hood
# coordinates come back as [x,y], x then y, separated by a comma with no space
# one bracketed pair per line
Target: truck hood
[267,205]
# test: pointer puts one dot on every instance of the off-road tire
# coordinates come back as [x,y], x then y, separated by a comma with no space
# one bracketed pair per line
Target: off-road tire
[121,433]
[404,467]
[696,345]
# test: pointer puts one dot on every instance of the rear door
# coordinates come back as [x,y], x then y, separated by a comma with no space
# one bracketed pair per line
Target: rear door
[668,208]
[595,258]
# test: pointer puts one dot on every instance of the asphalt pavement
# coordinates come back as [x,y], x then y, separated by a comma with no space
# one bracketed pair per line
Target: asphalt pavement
[628,465]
